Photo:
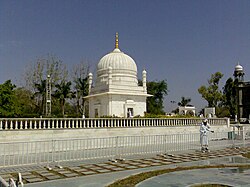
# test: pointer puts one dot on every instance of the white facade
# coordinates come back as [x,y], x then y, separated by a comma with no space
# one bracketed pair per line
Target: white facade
[187,110]
[116,91]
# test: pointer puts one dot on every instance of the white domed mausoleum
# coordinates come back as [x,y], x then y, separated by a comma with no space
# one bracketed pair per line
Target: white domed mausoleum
[116,91]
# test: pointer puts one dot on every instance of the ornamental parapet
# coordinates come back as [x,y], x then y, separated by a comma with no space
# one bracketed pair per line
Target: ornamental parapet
[86,123]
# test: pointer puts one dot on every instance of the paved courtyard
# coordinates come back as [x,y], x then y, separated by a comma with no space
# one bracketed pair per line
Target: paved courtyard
[103,173]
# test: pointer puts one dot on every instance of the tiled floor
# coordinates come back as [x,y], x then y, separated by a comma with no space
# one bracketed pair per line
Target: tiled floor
[41,174]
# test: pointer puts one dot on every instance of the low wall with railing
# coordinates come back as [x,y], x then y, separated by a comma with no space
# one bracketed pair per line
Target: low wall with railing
[27,129]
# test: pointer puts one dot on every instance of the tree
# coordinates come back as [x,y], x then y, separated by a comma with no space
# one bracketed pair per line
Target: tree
[41,68]
[36,75]
[40,95]
[184,101]
[63,92]
[229,91]
[211,93]
[158,90]
[8,100]
[25,103]
[82,89]
[81,86]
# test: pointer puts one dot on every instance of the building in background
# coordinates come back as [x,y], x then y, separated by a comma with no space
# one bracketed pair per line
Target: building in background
[116,91]
[243,95]
[187,110]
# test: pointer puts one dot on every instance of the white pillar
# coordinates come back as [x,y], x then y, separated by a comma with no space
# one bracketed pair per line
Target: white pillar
[25,124]
[11,124]
[21,124]
[144,81]
[90,81]
[57,124]
[35,125]
[39,124]
[77,126]
[53,124]
[16,125]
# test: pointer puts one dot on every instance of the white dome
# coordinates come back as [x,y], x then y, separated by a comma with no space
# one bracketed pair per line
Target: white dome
[116,67]
[238,68]
[119,61]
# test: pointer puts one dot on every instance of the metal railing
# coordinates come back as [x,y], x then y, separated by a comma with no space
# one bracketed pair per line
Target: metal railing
[3,183]
[12,182]
[51,151]
[86,123]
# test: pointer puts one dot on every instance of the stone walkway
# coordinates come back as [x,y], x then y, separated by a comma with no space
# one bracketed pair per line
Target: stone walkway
[226,176]
[78,174]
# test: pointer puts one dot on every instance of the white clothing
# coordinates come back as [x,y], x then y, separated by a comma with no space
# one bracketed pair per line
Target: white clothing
[204,129]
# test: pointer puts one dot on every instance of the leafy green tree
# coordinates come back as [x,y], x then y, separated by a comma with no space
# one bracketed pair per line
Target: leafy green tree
[158,90]
[184,101]
[25,103]
[40,96]
[8,100]
[229,91]
[81,86]
[211,93]
[63,92]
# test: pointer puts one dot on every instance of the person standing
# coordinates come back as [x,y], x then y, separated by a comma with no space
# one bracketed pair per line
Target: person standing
[204,130]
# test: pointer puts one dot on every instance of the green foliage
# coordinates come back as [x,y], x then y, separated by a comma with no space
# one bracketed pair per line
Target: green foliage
[222,112]
[25,103]
[150,115]
[158,90]
[82,90]
[8,100]
[211,93]
[63,92]
[184,101]
[40,96]
[229,91]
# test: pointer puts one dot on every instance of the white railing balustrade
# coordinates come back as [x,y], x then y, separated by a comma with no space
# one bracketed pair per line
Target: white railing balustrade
[70,123]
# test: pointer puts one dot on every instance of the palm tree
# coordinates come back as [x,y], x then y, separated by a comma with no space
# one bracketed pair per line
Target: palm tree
[82,89]
[63,92]
[184,101]
[41,95]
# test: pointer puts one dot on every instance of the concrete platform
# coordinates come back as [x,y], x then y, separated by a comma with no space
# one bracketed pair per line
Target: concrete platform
[101,174]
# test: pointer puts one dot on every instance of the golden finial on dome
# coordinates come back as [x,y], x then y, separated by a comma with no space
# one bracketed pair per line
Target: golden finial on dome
[116,41]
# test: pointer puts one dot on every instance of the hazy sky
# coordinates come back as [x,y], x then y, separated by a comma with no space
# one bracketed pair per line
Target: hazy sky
[182,41]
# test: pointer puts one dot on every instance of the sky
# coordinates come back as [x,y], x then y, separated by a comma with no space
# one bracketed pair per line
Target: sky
[180,41]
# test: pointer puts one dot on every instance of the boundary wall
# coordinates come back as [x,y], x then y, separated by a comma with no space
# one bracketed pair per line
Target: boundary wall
[35,129]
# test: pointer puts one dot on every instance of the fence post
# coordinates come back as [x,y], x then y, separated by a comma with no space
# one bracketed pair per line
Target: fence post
[116,147]
[165,142]
[233,136]
[53,150]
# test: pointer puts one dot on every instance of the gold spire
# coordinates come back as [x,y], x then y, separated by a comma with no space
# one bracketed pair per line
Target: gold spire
[116,41]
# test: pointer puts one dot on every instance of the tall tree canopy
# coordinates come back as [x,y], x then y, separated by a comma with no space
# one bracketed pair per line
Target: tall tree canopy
[8,100]
[229,91]
[26,103]
[81,86]
[158,90]
[63,92]
[211,93]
